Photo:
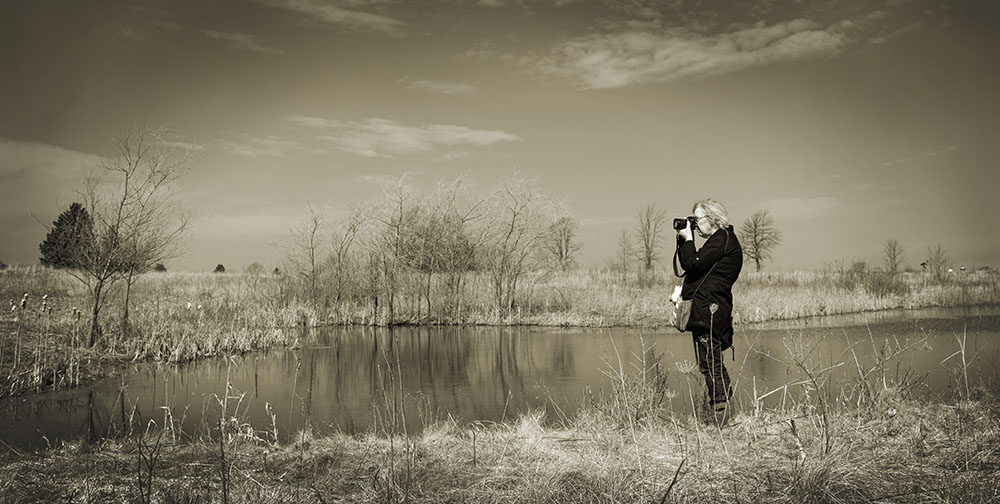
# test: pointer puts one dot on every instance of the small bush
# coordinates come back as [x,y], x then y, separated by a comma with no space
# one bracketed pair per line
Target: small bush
[219,269]
[882,284]
[648,279]
[159,267]
[636,395]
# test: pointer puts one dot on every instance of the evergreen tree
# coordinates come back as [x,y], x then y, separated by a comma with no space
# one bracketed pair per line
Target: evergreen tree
[69,240]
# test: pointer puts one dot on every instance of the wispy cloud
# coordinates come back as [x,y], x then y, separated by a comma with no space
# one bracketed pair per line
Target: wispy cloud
[438,87]
[242,42]
[167,26]
[41,162]
[790,209]
[485,50]
[375,137]
[188,146]
[896,34]
[605,221]
[451,156]
[633,57]
[377,179]
[334,14]
[128,33]
[268,146]
[938,151]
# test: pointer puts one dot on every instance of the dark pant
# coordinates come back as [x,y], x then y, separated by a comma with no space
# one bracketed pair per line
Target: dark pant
[708,351]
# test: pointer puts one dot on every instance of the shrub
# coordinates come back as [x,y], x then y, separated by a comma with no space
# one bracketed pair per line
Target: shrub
[883,284]
[637,394]
[159,267]
[219,269]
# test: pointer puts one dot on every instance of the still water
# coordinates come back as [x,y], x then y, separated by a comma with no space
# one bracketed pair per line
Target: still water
[341,378]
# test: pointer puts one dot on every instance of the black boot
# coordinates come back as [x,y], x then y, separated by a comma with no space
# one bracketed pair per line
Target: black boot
[721,414]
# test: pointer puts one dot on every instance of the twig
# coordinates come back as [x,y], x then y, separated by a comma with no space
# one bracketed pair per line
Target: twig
[505,403]
[673,482]
[11,448]
[798,441]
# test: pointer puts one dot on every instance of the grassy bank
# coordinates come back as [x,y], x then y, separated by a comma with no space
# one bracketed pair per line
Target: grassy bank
[175,317]
[912,453]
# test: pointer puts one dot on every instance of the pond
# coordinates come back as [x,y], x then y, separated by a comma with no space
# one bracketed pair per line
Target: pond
[343,378]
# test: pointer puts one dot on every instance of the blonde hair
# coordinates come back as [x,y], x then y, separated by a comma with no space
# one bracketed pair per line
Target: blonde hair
[715,212]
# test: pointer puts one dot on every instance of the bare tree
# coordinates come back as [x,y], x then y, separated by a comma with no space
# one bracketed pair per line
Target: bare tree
[394,216]
[759,237]
[444,240]
[937,261]
[344,235]
[253,277]
[893,256]
[307,249]
[421,247]
[520,222]
[460,208]
[136,217]
[649,235]
[626,253]
[560,243]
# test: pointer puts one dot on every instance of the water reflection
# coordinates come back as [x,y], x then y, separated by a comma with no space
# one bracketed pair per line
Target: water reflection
[344,378]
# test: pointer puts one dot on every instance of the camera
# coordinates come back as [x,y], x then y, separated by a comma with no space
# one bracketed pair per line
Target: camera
[679,223]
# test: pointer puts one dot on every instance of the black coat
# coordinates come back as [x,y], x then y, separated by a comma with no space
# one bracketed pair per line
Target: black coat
[717,286]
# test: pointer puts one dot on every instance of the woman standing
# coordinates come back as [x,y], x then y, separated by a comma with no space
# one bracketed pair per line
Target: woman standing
[709,275]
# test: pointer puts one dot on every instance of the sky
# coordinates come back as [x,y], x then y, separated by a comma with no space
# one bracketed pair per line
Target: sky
[852,122]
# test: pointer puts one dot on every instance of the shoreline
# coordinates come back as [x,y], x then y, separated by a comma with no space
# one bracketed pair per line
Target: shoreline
[110,366]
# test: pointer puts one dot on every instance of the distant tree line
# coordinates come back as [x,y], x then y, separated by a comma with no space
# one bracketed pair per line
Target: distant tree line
[407,255]
[644,246]
[410,254]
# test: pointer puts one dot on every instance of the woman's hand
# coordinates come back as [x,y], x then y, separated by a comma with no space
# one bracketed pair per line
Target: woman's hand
[686,232]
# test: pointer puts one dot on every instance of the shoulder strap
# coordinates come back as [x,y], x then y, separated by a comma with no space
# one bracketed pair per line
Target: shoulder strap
[709,271]
[676,274]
